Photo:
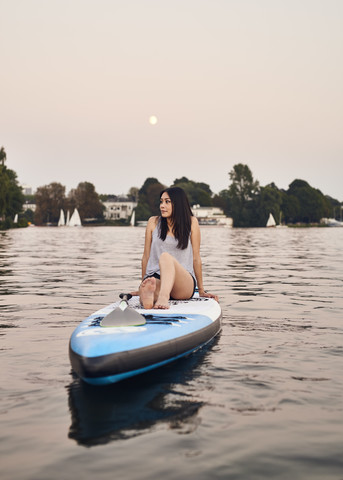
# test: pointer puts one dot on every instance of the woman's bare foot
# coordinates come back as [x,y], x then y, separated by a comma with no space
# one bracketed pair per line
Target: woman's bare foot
[146,292]
[162,303]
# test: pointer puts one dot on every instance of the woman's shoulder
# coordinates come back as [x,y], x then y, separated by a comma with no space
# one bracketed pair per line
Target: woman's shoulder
[195,229]
[194,222]
[152,222]
[153,219]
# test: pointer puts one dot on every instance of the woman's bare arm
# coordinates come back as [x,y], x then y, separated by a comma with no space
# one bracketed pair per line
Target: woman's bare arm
[197,263]
[152,222]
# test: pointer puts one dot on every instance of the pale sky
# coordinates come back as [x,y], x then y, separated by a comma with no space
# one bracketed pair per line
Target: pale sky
[257,82]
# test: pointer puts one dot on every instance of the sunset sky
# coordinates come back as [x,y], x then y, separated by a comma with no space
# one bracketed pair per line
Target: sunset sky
[258,82]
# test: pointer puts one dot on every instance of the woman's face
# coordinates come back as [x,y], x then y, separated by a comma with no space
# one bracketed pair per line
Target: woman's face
[166,206]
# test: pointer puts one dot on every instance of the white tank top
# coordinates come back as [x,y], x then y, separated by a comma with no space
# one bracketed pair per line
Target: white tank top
[158,246]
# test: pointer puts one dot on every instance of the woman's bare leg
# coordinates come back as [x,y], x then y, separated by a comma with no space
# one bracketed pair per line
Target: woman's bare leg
[147,291]
[175,281]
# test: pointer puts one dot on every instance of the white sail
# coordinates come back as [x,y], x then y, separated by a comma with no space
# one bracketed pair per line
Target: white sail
[61,221]
[75,220]
[271,221]
[16,218]
[133,218]
[68,218]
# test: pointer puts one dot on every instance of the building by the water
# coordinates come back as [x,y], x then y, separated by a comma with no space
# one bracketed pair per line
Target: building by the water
[211,216]
[119,209]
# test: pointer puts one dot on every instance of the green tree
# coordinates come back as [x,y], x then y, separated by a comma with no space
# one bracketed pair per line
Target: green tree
[142,212]
[50,199]
[15,196]
[270,201]
[103,197]
[222,200]
[242,194]
[149,199]
[3,156]
[198,193]
[290,208]
[149,181]
[243,186]
[87,201]
[153,197]
[11,195]
[334,207]
[133,194]
[4,188]
[312,204]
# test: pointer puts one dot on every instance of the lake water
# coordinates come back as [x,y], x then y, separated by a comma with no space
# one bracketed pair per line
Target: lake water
[264,400]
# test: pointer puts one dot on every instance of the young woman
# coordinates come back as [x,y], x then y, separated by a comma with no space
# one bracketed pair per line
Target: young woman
[171,263]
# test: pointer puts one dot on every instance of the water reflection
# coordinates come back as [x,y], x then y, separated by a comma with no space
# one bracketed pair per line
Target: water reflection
[134,406]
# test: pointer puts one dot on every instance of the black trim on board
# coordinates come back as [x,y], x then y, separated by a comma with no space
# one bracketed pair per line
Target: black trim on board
[122,362]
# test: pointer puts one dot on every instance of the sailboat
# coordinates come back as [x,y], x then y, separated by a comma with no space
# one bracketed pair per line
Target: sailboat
[68,218]
[61,221]
[133,218]
[271,221]
[75,220]
[15,218]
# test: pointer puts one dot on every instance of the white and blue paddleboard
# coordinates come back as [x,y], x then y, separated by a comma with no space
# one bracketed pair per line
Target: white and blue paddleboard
[101,354]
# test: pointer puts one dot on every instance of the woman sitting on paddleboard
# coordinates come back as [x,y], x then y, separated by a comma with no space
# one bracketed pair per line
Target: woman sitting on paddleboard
[171,263]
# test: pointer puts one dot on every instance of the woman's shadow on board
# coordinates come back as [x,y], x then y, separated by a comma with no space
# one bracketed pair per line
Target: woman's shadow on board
[103,414]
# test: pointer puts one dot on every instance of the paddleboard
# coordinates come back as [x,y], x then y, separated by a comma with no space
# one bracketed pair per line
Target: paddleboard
[102,355]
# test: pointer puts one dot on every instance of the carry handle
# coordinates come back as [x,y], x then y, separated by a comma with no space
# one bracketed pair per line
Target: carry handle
[125,296]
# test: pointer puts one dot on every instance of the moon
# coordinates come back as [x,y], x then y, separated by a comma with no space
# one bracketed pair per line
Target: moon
[153,120]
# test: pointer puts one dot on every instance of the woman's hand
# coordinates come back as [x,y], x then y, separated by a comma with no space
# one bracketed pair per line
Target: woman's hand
[202,293]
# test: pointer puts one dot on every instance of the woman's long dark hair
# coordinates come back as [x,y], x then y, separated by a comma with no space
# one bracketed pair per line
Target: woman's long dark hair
[181,217]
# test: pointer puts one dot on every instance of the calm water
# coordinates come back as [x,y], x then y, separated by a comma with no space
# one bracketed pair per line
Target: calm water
[263,401]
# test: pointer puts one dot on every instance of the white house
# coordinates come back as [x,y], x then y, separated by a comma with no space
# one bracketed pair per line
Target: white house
[119,209]
[211,216]
[27,189]
[29,206]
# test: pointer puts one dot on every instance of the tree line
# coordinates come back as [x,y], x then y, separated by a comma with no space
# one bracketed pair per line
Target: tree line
[51,199]
[245,201]
[248,203]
